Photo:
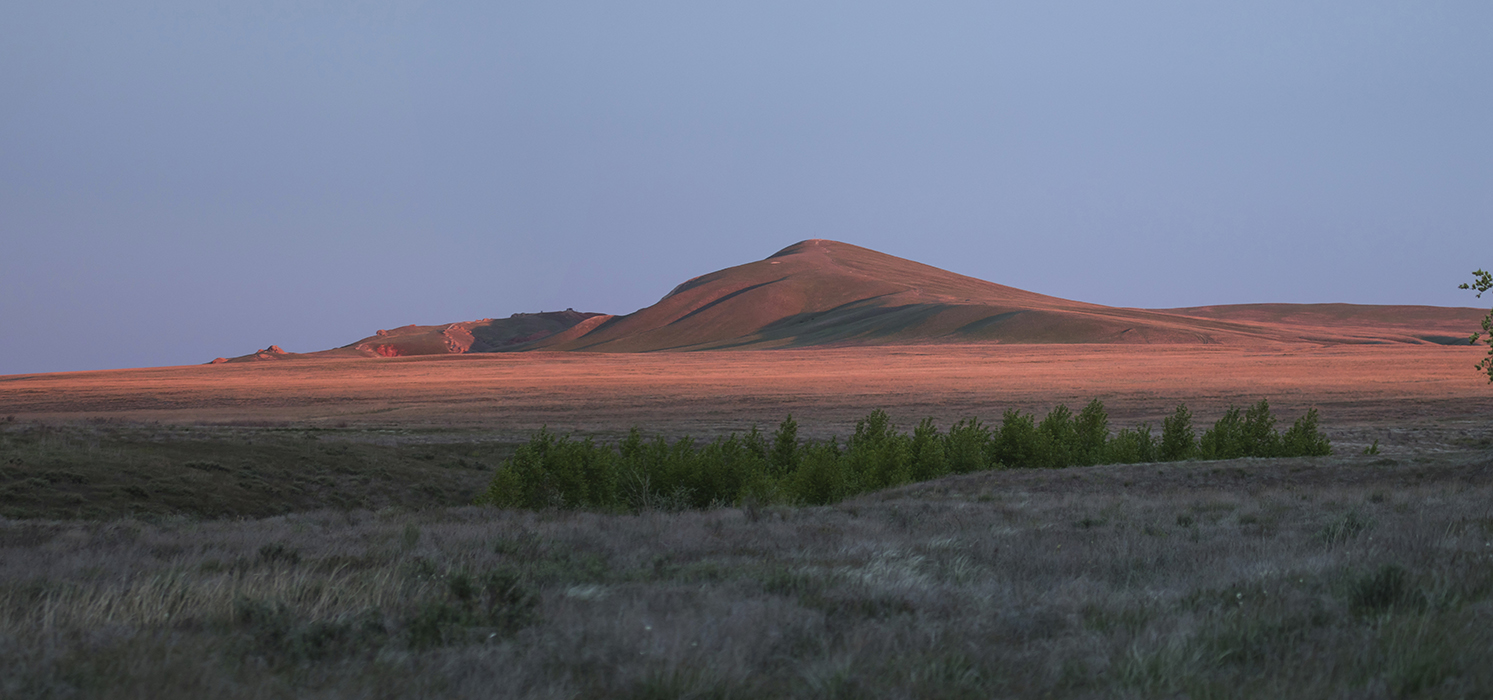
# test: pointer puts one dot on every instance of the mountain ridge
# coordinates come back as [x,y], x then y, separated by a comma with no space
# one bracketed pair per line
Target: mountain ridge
[821,292]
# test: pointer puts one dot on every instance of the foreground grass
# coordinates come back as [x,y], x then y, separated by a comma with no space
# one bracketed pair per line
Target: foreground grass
[1314,577]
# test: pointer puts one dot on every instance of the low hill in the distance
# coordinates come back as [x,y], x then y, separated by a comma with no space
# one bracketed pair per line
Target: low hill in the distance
[517,332]
[821,292]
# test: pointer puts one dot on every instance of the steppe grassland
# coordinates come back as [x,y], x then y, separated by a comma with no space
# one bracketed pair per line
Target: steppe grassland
[1347,576]
[1325,577]
[826,389]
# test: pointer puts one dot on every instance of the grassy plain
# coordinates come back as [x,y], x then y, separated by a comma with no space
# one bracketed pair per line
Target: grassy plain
[302,530]
[1329,577]
[827,389]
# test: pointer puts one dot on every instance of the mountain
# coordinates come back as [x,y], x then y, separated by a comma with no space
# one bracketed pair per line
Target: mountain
[821,292]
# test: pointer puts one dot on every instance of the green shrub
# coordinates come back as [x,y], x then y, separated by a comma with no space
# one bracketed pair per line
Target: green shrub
[638,474]
[879,456]
[1253,434]
[554,470]
[1225,440]
[522,482]
[824,477]
[929,460]
[1259,435]
[1178,442]
[1305,439]
[967,447]
[1091,432]
[785,449]
[1132,445]
[583,474]
[721,469]
[1017,445]
[1057,438]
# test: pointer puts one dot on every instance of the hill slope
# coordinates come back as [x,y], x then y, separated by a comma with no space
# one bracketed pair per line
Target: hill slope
[821,292]
[824,292]
[517,332]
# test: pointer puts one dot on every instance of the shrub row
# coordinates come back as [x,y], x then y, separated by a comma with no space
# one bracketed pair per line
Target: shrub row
[554,470]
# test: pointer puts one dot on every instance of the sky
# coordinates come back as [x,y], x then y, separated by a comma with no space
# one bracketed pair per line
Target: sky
[186,180]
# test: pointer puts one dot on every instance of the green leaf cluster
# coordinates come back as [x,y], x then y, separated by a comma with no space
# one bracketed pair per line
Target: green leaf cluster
[1482,281]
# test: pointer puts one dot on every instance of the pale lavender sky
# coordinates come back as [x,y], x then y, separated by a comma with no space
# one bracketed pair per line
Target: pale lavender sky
[185,180]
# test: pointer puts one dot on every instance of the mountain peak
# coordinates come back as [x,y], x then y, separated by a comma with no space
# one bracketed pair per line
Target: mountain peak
[812,244]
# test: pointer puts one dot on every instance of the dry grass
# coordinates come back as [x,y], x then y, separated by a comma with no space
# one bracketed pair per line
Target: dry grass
[1355,576]
[826,389]
[1351,576]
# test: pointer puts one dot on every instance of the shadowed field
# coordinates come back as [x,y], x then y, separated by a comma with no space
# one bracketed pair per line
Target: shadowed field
[105,471]
[1333,577]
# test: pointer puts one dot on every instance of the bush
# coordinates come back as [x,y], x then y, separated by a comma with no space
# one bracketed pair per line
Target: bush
[785,449]
[1225,440]
[1131,445]
[1017,445]
[721,470]
[582,474]
[1057,438]
[1091,432]
[823,478]
[1253,434]
[641,474]
[966,447]
[879,456]
[1259,436]
[522,480]
[1178,442]
[1305,439]
[929,460]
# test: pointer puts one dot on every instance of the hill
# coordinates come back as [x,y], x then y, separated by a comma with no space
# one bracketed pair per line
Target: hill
[520,331]
[820,292]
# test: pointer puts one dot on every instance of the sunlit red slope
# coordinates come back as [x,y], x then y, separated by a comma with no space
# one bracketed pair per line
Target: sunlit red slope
[824,292]
[1354,322]
[517,332]
[820,292]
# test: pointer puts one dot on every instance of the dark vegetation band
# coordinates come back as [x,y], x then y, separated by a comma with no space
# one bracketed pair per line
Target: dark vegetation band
[553,470]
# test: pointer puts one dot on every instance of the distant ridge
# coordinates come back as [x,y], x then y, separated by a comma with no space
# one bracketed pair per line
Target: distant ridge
[515,333]
[821,292]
